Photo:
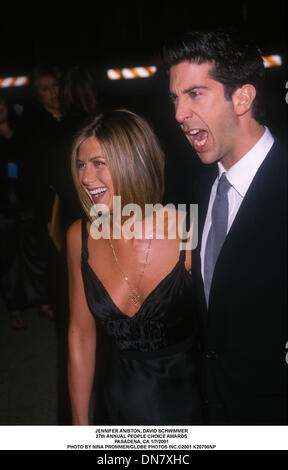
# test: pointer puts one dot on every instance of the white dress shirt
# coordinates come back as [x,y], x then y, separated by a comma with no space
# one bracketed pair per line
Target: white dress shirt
[240,177]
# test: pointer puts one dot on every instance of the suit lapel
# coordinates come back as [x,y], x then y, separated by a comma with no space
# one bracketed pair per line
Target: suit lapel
[252,214]
[203,190]
[202,196]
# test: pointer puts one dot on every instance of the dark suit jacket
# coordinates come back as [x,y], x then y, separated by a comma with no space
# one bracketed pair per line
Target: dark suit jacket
[244,331]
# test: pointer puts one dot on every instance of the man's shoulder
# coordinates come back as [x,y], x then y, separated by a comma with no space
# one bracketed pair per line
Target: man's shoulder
[275,163]
[280,147]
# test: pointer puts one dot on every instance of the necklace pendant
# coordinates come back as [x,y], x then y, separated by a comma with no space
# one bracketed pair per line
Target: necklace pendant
[134,297]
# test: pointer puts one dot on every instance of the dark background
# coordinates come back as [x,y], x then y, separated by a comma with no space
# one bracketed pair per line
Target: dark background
[99,36]
[123,31]
[104,35]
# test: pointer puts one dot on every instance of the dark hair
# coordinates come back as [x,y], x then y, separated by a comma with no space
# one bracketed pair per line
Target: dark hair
[78,92]
[236,60]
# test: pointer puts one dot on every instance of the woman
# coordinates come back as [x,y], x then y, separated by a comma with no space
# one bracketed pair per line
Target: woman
[45,81]
[132,293]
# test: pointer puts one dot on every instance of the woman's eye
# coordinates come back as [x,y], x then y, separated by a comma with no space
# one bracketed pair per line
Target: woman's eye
[79,165]
[98,164]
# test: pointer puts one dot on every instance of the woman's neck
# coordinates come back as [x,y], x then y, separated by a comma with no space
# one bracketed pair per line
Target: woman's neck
[56,113]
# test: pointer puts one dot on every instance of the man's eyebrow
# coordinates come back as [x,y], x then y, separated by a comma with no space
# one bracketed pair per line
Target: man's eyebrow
[188,90]
[193,88]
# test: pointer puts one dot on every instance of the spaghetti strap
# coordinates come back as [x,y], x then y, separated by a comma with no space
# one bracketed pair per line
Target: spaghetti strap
[84,251]
[185,231]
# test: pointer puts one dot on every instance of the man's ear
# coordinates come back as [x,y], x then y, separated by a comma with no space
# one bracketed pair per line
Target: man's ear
[243,98]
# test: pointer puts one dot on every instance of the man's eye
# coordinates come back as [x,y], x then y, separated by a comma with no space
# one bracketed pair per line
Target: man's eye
[193,94]
[173,98]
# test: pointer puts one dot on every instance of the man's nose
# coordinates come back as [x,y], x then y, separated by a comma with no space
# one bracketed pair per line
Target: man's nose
[183,111]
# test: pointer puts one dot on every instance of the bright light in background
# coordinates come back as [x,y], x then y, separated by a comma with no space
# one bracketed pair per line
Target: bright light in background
[272,61]
[128,72]
[13,81]
[131,72]
[144,72]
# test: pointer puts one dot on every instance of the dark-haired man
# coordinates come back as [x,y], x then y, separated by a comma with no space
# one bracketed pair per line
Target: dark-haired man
[240,263]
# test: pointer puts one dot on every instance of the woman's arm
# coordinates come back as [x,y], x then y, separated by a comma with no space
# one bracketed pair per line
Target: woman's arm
[81,333]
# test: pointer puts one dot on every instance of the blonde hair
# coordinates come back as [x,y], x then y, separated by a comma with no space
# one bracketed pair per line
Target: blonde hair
[132,154]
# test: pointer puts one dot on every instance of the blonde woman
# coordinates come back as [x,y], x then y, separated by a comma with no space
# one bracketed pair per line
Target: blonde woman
[134,293]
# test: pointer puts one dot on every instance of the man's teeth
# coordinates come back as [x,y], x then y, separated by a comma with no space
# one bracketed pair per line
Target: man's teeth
[194,131]
[201,142]
[96,192]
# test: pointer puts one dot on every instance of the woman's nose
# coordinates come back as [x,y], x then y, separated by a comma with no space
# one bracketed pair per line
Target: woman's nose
[54,92]
[88,175]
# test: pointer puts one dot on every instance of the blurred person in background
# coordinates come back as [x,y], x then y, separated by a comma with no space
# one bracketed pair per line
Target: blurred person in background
[45,82]
[78,94]
[78,101]
[23,272]
[42,120]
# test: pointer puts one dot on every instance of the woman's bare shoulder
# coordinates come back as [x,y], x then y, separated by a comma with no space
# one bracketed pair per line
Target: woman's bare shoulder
[73,237]
[74,229]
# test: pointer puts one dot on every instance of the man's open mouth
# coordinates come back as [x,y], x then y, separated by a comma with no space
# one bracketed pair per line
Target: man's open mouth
[198,138]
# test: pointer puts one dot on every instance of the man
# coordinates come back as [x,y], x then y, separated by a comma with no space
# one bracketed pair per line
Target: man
[239,266]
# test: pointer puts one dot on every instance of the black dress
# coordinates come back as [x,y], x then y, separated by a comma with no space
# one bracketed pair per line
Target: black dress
[150,365]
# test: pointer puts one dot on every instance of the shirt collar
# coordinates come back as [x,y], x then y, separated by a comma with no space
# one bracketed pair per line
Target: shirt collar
[242,173]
